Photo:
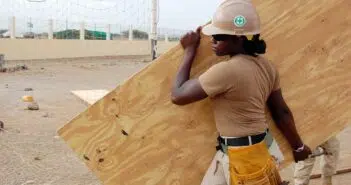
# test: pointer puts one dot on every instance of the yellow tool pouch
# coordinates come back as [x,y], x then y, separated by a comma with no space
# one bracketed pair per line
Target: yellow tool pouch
[252,165]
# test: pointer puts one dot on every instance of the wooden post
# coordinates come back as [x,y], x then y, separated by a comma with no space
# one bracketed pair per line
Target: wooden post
[339,172]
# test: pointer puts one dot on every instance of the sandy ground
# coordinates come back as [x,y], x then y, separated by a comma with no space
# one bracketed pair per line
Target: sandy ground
[31,152]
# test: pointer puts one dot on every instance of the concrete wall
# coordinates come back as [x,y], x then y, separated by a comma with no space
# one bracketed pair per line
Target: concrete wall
[31,49]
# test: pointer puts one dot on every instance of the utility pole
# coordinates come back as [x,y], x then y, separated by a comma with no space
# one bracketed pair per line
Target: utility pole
[153,35]
[30,25]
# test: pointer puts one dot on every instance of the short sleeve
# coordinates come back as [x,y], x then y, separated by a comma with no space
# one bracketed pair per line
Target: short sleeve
[217,79]
[276,82]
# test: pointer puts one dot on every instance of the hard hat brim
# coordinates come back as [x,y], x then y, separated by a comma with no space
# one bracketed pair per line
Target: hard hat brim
[210,29]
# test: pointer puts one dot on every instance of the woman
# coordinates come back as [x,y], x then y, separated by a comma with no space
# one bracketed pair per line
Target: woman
[239,88]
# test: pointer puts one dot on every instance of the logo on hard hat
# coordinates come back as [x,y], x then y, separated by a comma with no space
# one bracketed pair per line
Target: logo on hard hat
[239,21]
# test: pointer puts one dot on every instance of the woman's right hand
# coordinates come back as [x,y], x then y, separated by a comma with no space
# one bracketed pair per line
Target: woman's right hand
[191,39]
[302,155]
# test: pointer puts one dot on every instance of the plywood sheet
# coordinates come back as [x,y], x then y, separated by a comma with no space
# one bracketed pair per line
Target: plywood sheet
[136,136]
[90,96]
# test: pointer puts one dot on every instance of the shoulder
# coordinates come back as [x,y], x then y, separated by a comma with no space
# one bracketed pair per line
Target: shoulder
[273,73]
[217,79]
[220,67]
[271,67]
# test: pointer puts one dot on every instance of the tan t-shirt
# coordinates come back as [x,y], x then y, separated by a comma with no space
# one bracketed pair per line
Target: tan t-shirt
[239,89]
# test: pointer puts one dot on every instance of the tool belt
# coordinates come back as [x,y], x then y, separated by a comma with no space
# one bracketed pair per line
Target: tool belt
[223,143]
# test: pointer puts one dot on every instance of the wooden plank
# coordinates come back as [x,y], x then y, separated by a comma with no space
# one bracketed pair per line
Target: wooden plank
[135,135]
[338,172]
[90,96]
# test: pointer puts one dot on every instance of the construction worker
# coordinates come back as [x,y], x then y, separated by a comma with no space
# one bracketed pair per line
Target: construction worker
[239,89]
[303,169]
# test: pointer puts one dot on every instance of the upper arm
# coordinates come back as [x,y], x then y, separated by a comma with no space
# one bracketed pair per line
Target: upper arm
[217,80]
[277,104]
[189,92]
[276,82]
[214,81]
[275,100]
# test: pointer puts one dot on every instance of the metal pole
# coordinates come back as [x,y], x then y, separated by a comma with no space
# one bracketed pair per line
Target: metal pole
[154,13]
[51,32]
[82,31]
[2,62]
[12,28]
[130,32]
[108,32]
[30,25]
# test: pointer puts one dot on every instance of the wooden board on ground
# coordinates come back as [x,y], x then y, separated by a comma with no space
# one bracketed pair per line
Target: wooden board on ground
[90,96]
[136,136]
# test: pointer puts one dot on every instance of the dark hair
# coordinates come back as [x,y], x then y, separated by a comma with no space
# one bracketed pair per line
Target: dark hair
[254,46]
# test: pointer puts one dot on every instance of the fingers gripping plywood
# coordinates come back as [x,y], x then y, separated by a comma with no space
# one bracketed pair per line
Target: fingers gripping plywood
[135,135]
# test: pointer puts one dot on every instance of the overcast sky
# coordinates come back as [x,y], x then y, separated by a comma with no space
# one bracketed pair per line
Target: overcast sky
[176,14]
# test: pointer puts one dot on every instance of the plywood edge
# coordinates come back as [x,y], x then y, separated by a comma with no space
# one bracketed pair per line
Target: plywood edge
[90,96]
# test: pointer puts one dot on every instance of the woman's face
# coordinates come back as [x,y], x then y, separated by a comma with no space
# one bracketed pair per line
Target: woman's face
[226,44]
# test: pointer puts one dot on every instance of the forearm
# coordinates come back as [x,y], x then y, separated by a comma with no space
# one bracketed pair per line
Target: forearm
[183,73]
[286,124]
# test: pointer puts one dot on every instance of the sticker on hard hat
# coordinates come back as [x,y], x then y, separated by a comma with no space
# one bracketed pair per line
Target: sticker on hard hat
[239,21]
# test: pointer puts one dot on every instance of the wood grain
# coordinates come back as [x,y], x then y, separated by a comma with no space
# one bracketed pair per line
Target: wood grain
[136,136]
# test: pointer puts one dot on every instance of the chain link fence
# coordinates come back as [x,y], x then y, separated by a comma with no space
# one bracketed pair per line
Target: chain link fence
[30,28]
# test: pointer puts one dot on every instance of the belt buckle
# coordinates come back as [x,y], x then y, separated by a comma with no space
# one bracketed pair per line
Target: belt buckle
[225,141]
[250,140]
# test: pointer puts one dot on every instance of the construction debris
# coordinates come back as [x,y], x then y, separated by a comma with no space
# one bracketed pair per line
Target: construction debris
[1,126]
[338,172]
[27,98]
[13,69]
[33,106]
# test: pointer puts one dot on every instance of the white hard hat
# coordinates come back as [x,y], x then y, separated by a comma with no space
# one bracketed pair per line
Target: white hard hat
[234,17]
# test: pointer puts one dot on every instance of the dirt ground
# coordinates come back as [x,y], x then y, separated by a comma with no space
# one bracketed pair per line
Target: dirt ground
[30,150]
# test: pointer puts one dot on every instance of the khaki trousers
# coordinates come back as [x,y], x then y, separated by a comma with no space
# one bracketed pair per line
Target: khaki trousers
[303,169]
[218,172]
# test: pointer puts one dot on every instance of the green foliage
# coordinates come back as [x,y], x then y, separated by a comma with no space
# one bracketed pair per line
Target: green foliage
[137,34]
[75,34]
[3,31]
[67,34]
